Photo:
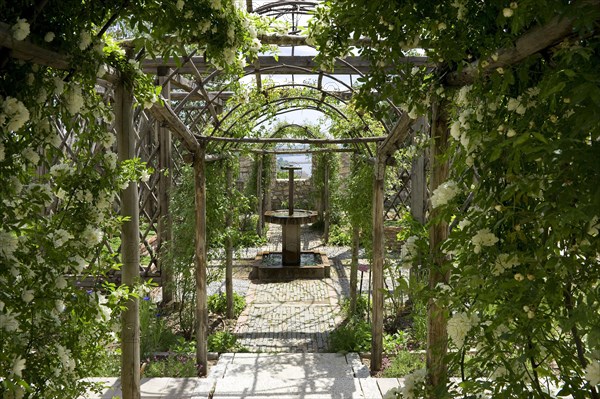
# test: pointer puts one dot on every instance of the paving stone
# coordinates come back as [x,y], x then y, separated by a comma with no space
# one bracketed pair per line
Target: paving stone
[385,384]
[359,369]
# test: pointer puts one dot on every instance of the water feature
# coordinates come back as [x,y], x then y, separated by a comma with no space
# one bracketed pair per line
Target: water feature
[291,262]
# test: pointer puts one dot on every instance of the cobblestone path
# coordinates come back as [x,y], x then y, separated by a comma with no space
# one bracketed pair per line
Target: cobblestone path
[294,316]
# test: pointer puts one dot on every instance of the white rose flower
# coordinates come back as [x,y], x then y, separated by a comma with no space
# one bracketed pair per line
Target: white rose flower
[61,283]
[483,238]
[507,12]
[411,383]
[59,305]
[74,99]
[49,37]
[592,373]
[459,326]
[16,113]
[9,321]
[85,39]
[18,366]
[179,5]
[444,193]
[91,236]
[20,30]
[8,244]
[504,262]
[27,296]
[59,86]
[2,153]
[31,155]
[145,176]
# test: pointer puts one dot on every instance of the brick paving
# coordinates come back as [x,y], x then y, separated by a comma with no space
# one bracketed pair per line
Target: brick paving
[294,316]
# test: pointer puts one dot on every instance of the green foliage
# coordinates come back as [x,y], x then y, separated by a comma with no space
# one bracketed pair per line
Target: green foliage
[354,336]
[402,364]
[362,307]
[224,341]
[176,365]
[180,254]
[340,235]
[217,303]
[357,201]
[396,342]
[156,335]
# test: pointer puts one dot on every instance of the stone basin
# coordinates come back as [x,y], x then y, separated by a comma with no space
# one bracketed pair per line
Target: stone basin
[269,266]
[298,217]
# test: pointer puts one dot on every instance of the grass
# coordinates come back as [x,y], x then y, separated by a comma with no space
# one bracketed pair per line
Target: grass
[402,364]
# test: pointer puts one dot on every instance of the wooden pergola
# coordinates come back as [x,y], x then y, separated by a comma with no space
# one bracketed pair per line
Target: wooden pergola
[190,105]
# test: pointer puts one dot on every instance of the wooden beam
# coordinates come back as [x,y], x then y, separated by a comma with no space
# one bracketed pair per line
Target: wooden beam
[534,41]
[165,182]
[396,137]
[259,195]
[165,114]
[437,335]
[201,261]
[273,140]
[130,248]
[229,246]
[27,51]
[298,64]
[302,151]
[200,82]
[378,261]
[299,40]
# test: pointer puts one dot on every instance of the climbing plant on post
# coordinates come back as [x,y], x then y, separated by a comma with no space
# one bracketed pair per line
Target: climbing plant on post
[130,252]
[439,272]
[200,258]
[377,265]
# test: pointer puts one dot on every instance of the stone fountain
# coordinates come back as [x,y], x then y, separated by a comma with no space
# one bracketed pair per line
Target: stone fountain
[292,262]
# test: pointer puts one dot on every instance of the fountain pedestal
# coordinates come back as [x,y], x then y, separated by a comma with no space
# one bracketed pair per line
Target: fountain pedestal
[291,262]
[290,244]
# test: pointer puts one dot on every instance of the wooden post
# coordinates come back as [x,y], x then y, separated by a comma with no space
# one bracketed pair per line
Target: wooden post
[355,249]
[326,212]
[418,181]
[201,260]
[437,319]
[165,167]
[354,267]
[229,247]
[259,195]
[377,269]
[268,171]
[418,194]
[130,248]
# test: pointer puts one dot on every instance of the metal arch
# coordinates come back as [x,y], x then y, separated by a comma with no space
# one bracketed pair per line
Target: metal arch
[269,69]
[230,112]
[274,68]
[277,101]
[290,125]
[287,99]
[281,7]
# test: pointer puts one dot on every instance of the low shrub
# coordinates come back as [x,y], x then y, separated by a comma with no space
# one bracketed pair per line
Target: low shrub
[224,341]
[217,304]
[354,336]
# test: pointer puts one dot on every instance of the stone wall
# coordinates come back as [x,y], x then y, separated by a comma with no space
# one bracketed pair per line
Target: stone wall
[303,196]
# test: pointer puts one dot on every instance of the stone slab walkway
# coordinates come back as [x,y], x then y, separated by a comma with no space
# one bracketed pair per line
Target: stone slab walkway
[289,375]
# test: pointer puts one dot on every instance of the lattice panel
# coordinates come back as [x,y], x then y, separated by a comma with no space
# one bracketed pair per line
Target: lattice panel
[397,196]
